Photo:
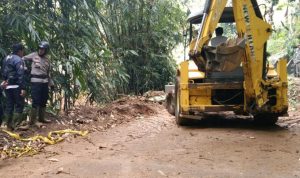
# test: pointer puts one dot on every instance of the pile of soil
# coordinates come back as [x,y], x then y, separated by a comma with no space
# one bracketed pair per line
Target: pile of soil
[98,118]
[120,111]
[130,107]
[90,118]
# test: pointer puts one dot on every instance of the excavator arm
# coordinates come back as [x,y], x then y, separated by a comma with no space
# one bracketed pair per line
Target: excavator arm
[212,13]
[251,27]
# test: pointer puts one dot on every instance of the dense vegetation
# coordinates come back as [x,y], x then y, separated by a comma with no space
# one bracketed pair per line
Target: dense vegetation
[99,48]
[105,48]
[286,37]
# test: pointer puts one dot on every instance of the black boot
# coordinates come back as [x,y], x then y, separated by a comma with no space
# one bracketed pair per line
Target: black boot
[7,122]
[32,120]
[4,122]
[42,119]
[33,116]
[17,119]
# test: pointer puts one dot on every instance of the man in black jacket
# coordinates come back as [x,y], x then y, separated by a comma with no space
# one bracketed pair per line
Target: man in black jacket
[13,75]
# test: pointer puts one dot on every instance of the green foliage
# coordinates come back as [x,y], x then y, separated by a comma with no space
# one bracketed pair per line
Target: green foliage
[79,55]
[229,30]
[286,38]
[100,48]
[145,39]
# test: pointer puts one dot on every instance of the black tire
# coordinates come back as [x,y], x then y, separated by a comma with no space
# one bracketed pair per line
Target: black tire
[179,120]
[170,103]
[265,119]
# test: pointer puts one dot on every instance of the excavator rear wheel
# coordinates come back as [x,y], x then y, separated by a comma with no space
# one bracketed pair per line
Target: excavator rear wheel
[170,103]
[179,120]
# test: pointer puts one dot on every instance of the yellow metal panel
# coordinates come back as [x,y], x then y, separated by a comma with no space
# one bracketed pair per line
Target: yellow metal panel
[271,71]
[200,100]
[184,92]
[282,72]
[196,75]
[200,96]
[201,92]
[194,72]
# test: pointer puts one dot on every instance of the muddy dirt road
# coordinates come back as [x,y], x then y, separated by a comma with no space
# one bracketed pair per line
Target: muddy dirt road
[155,147]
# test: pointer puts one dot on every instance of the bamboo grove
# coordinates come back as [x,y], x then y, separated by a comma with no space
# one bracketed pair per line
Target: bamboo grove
[100,48]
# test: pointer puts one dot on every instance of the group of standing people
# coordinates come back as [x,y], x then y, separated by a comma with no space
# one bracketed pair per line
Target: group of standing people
[14,85]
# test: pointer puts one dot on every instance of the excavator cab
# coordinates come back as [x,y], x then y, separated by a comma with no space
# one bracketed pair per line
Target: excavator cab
[224,63]
[234,75]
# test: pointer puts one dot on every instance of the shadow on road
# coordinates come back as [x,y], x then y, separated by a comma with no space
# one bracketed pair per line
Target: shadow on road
[225,121]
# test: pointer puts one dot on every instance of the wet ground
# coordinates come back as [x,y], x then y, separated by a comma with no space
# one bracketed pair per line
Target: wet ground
[154,146]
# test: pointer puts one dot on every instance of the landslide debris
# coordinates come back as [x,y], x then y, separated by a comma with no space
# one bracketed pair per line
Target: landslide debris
[82,118]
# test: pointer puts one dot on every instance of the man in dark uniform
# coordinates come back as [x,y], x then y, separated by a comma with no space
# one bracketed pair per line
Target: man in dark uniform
[40,83]
[13,75]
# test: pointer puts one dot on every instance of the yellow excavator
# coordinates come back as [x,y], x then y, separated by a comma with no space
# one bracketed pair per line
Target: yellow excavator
[233,76]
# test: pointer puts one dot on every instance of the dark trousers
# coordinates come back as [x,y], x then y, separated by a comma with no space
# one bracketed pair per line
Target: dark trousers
[14,101]
[39,94]
[297,69]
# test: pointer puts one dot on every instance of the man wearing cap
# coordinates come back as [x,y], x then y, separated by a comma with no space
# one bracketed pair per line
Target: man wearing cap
[13,75]
[40,81]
